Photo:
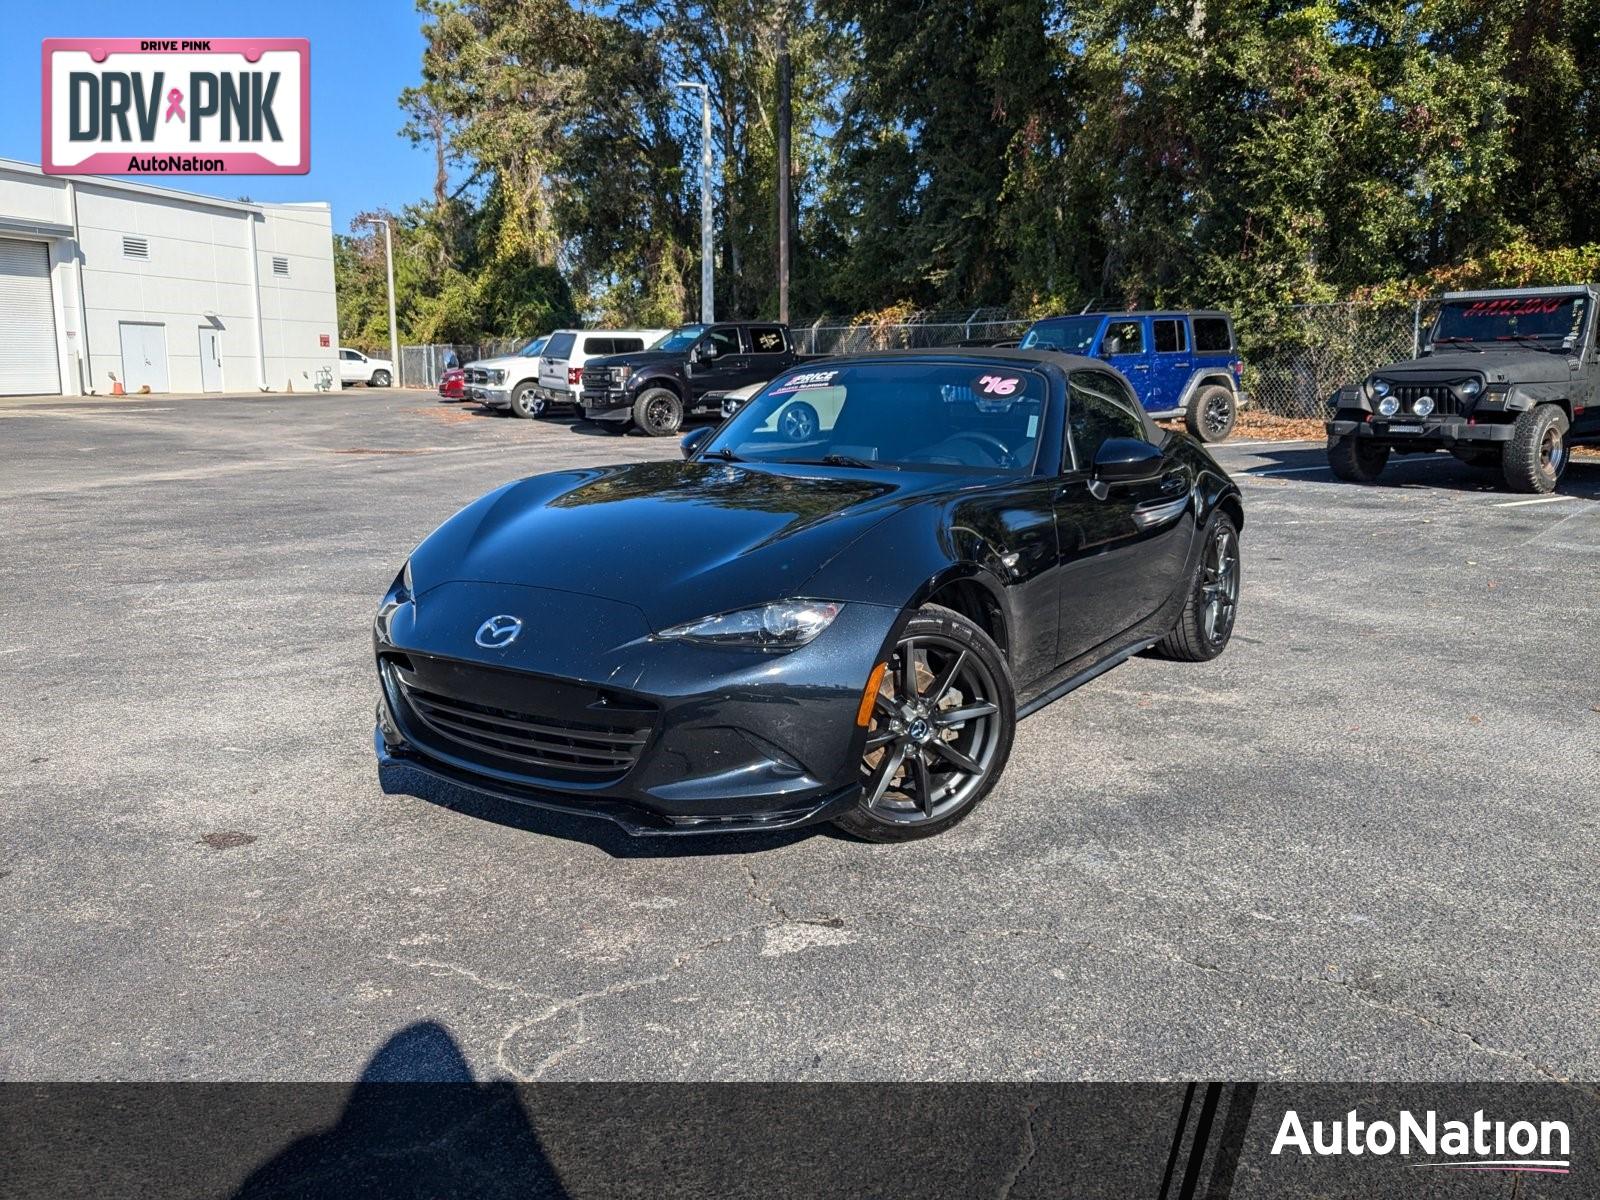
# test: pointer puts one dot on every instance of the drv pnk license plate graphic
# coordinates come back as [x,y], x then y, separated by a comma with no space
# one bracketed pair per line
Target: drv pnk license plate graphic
[165,106]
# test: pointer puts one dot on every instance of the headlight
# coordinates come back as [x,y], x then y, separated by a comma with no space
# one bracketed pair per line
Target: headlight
[496,376]
[1380,388]
[620,374]
[1423,407]
[1471,388]
[779,626]
[1388,406]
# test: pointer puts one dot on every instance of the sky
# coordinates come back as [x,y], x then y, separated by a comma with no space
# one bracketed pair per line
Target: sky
[363,54]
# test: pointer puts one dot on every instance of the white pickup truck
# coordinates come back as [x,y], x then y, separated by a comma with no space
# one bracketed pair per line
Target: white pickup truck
[527,383]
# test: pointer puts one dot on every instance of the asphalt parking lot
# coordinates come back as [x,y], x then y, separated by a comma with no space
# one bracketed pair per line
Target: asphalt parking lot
[1361,845]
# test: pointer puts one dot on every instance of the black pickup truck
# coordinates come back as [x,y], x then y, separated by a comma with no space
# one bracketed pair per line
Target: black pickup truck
[688,371]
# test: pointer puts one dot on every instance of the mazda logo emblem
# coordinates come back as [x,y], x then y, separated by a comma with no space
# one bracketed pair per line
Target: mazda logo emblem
[498,632]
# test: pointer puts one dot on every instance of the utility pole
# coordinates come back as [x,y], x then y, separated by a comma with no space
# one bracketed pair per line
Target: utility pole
[707,300]
[388,259]
[785,119]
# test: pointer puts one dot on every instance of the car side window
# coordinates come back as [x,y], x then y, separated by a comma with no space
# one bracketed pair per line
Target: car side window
[625,345]
[1170,336]
[1097,410]
[1124,337]
[724,339]
[1212,335]
[766,339]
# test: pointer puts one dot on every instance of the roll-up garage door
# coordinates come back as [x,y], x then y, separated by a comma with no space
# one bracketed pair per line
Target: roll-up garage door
[27,321]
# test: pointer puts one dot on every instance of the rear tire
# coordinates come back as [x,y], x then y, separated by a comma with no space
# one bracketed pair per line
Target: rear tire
[1206,623]
[658,412]
[1356,460]
[933,756]
[1212,413]
[1537,455]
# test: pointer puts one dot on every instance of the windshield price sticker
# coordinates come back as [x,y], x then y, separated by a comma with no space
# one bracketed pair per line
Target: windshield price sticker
[805,381]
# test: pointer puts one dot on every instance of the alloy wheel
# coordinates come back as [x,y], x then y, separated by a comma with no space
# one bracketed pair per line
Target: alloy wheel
[1217,414]
[1219,584]
[934,732]
[799,422]
[661,415]
[1553,451]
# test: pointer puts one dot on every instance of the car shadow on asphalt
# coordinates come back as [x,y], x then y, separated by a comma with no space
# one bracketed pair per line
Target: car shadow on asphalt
[1436,470]
[602,834]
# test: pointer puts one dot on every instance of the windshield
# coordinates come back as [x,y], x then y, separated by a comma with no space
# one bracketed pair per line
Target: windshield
[681,339]
[1553,320]
[1074,334]
[533,348]
[940,416]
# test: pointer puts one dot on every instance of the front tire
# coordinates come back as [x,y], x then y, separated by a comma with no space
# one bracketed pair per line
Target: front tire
[940,732]
[1212,413]
[527,403]
[1206,623]
[379,379]
[658,412]
[1356,460]
[1537,455]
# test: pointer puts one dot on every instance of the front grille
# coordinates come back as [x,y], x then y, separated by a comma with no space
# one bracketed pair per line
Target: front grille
[536,735]
[1445,401]
[477,376]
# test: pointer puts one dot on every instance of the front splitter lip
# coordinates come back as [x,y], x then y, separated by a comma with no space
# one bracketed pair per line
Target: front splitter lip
[632,819]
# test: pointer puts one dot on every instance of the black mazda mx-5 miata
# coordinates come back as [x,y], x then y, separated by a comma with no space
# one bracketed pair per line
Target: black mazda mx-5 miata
[837,607]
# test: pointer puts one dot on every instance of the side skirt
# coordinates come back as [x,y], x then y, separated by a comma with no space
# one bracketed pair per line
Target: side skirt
[1072,682]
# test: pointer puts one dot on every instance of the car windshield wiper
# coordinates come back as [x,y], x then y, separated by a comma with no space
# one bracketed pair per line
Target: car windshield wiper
[1469,343]
[1531,340]
[724,454]
[840,460]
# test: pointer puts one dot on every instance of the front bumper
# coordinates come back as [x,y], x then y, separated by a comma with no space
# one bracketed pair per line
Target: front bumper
[490,396]
[729,739]
[611,403]
[1430,432]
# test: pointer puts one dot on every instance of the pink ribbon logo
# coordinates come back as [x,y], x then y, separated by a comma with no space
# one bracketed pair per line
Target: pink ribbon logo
[175,105]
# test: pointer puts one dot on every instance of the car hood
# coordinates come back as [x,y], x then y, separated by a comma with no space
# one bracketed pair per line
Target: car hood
[638,358]
[505,362]
[1518,365]
[679,540]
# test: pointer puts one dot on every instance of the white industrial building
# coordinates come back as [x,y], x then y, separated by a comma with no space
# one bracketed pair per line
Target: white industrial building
[107,285]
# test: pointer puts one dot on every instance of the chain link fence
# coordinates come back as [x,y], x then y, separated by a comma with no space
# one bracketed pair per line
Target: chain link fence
[920,331]
[1295,356]
[423,366]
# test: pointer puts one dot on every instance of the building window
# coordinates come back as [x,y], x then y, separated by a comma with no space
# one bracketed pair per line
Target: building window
[135,247]
[280,266]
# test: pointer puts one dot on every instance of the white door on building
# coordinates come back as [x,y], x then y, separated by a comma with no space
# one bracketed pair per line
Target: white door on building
[28,362]
[210,359]
[144,355]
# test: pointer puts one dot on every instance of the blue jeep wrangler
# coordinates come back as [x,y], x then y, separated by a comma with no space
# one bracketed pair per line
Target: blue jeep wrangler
[1180,363]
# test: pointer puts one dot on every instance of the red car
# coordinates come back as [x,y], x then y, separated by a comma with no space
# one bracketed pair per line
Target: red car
[453,384]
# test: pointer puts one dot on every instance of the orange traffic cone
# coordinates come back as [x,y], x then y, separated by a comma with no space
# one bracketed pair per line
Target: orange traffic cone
[116,387]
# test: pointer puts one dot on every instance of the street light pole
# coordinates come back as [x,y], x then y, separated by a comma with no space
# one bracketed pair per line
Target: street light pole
[707,302]
[388,259]
[785,117]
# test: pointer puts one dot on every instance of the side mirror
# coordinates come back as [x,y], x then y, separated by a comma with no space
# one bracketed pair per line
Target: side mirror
[1126,460]
[692,439]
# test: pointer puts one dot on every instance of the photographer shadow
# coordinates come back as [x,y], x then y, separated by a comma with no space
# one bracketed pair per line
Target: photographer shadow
[452,1136]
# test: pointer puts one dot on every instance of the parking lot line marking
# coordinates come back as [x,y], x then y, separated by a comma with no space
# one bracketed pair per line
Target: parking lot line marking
[1271,442]
[1535,500]
[1289,470]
